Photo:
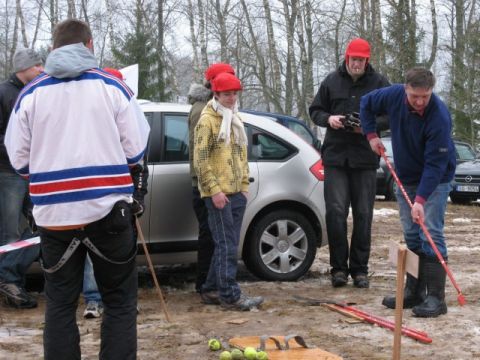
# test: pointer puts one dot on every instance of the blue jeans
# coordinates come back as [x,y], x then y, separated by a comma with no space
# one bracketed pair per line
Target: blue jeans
[434,210]
[225,225]
[90,288]
[13,199]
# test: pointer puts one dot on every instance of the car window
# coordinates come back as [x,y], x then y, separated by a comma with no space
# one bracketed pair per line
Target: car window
[154,145]
[265,146]
[175,140]
[464,152]
[300,130]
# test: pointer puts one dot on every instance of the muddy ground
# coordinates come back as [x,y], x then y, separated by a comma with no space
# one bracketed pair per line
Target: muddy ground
[455,335]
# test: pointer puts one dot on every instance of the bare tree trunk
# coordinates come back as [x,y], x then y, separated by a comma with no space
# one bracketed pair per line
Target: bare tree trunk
[193,38]
[272,50]
[377,40]
[301,91]
[22,23]
[291,79]
[260,69]
[53,15]
[338,25]
[37,23]
[6,24]
[201,34]
[85,12]
[15,38]
[160,50]
[221,19]
[71,10]
[308,79]
[433,52]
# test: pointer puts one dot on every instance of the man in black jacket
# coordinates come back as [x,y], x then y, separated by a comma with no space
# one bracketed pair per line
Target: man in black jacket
[14,189]
[350,167]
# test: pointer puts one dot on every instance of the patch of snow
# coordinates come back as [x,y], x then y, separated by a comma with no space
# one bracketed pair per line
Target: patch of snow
[385,212]
[461,220]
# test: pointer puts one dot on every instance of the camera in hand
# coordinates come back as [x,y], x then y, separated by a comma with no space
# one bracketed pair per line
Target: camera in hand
[351,121]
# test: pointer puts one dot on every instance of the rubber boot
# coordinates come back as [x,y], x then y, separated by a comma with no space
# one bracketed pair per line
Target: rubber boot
[434,305]
[415,290]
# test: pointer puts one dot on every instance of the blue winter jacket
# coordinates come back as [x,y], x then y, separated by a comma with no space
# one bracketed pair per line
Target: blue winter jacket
[422,145]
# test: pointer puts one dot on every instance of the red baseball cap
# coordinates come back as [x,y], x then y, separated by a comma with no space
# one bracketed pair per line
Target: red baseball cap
[216,69]
[358,47]
[114,72]
[226,82]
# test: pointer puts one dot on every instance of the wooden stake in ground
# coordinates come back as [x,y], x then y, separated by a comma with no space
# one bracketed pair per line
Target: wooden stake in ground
[406,261]
[152,270]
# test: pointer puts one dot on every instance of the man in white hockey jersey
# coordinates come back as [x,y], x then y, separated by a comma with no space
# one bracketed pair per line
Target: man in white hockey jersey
[79,135]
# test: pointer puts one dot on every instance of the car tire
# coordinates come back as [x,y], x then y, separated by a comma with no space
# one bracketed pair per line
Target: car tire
[460,200]
[390,191]
[281,246]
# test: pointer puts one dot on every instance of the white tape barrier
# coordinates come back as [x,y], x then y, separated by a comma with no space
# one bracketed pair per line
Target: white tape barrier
[19,245]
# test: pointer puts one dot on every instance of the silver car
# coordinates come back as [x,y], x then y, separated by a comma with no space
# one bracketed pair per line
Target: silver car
[284,221]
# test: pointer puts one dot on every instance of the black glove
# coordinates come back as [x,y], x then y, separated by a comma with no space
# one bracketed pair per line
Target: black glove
[138,208]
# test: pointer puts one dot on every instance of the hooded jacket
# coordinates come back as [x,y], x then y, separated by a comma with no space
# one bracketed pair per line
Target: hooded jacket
[198,96]
[219,167]
[9,91]
[75,130]
[340,95]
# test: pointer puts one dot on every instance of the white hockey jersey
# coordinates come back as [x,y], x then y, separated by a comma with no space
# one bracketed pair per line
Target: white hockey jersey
[74,138]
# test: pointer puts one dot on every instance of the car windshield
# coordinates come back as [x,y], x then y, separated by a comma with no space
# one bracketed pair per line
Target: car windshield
[464,152]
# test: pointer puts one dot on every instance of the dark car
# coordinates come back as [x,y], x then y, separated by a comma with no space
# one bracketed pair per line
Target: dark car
[466,185]
[295,124]
[462,192]
[385,179]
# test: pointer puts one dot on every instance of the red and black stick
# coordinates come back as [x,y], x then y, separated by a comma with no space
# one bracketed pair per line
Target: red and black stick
[351,311]
[375,320]
[460,297]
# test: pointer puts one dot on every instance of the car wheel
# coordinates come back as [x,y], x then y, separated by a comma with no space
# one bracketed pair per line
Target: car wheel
[281,246]
[460,200]
[390,191]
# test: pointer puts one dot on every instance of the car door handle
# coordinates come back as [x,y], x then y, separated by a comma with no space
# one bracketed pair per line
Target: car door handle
[251,179]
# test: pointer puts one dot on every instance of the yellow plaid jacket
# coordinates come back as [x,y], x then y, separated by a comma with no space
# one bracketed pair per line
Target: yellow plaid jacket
[219,167]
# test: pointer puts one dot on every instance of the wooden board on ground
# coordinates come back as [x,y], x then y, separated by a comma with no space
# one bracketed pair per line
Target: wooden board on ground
[295,351]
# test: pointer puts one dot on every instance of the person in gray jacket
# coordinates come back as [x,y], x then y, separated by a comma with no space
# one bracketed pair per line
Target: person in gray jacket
[14,199]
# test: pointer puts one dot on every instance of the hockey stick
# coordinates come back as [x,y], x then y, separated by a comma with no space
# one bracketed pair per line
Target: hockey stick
[152,270]
[460,297]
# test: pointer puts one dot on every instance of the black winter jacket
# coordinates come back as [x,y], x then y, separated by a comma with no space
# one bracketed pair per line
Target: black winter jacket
[9,91]
[340,95]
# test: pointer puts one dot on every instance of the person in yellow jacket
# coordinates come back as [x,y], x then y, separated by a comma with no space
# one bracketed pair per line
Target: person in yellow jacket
[220,161]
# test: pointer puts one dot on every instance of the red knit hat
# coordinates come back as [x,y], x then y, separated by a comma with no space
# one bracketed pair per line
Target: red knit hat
[218,68]
[226,82]
[114,72]
[358,47]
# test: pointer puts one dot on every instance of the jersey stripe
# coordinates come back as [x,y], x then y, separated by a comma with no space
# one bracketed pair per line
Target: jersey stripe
[78,184]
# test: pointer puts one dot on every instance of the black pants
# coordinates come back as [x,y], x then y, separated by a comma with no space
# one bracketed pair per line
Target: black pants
[117,285]
[345,186]
[205,241]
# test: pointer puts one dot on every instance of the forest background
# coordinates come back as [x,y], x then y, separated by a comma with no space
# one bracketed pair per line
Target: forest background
[281,49]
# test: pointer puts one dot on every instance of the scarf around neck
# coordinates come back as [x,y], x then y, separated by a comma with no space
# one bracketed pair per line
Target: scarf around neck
[230,121]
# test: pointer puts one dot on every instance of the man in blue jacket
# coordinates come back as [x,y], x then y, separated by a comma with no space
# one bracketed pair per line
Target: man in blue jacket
[424,155]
